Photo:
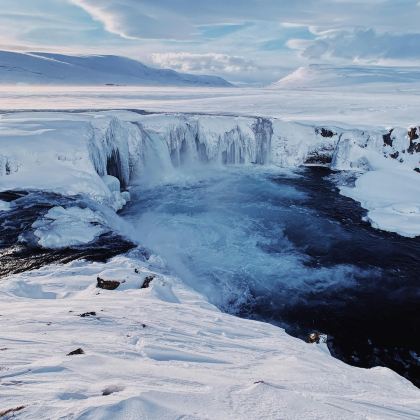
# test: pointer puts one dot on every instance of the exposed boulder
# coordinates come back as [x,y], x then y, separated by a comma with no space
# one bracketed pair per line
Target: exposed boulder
[325,132]
[147,281]
[412,133]
[314,337]
[414,146]
[76,352]
[107,284]
[85,314]
[388,139]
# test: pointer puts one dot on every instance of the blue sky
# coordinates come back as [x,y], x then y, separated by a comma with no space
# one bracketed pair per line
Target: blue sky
[242,40]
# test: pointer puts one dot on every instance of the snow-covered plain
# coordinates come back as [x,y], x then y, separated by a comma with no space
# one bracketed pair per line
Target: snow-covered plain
[165,351]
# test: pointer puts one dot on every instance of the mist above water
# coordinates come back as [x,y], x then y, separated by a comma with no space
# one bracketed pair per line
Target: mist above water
[225,234]
[286,247]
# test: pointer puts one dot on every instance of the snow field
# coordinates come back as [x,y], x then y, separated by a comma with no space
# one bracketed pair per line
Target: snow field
[165,352]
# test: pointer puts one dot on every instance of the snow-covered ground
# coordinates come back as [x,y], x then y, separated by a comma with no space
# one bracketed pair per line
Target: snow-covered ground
[164,352]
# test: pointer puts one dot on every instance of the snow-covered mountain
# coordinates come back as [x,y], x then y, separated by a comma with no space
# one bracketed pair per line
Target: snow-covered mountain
[318,75]
[58,69]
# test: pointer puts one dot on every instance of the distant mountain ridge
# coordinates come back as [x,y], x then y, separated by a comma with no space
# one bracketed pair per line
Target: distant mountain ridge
[59,69]
[319,75]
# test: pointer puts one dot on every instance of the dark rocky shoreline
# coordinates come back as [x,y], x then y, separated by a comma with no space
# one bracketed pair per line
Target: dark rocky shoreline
[19,251]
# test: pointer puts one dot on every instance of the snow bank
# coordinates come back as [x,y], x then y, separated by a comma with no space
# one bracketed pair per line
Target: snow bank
[165,352]
[391,194]
[4,206]
[61,228]
[66,154]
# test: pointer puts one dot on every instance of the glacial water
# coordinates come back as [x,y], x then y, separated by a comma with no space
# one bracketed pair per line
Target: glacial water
[285,247]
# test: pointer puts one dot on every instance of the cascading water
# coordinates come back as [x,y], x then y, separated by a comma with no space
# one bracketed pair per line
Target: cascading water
[262,242]
[210,198]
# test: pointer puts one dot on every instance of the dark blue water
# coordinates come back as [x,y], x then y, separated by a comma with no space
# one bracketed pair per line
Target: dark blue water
[285,247]
[19,249]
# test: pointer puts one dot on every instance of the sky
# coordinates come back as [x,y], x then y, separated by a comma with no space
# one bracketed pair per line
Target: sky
[250,41]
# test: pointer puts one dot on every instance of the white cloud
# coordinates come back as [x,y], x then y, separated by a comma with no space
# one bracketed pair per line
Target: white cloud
[204,63]
[137,19]
[359,44]
[177,19]
[242,40]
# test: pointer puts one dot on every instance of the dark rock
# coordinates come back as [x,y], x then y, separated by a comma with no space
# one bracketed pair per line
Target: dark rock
[314,337]
[147,281]
[111,389]
[394,155]
[9,411]
[107,284]
[75,352]
[259,382]
[417,170]
[412,133]
[414,146]
[388,138]
[324,132]
[319,158]
[11,195]
[88,314]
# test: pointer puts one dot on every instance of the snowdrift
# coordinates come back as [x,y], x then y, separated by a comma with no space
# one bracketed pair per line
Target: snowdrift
[164,352]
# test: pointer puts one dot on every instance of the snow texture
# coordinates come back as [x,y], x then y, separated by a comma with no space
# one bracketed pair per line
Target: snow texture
[164,352]
[61,227]
[4,205]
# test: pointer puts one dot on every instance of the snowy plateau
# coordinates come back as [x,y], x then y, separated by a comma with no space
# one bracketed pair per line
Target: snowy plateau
[165,343]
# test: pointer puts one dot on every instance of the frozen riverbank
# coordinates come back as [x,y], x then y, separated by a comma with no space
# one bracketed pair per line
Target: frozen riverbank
[87,160]
[165,352]
[83,149]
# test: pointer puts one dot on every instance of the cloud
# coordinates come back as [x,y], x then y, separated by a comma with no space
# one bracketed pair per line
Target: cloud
[204,63]
[136,19]
[359,44]
[179,19]
[243,40]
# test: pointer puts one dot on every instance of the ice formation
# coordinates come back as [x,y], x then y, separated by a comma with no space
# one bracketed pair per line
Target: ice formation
[77,153]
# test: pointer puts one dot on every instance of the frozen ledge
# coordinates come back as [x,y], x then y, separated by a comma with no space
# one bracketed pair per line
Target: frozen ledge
[98,154]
